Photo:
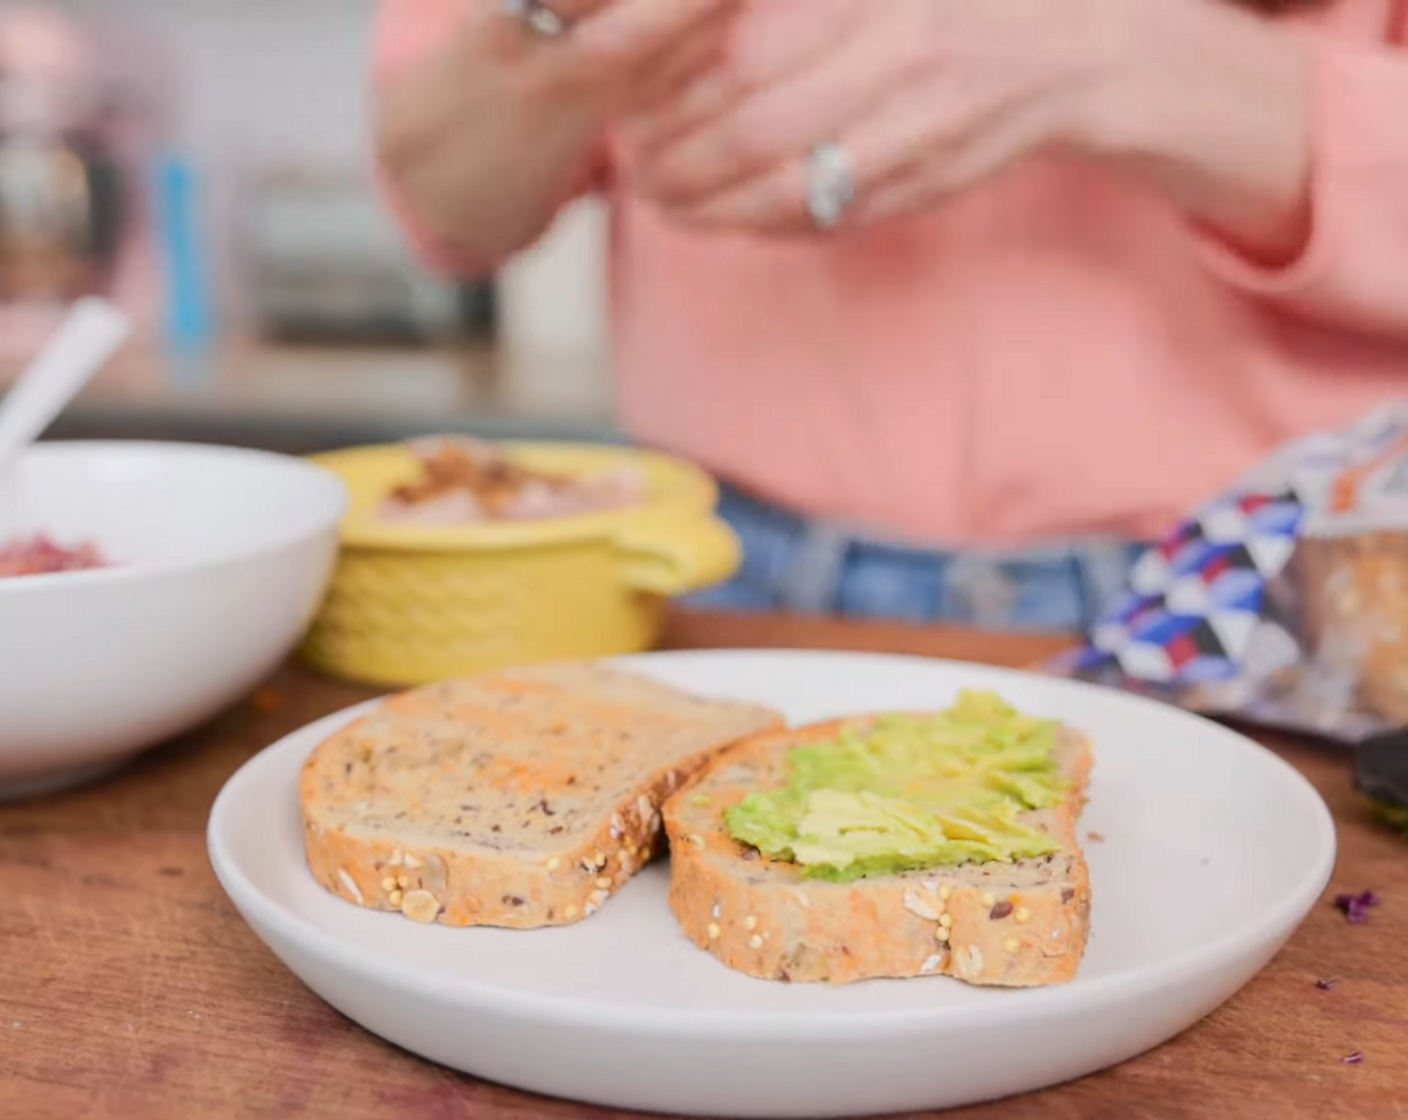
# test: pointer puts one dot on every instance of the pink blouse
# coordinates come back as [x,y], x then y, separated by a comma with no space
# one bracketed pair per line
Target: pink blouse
[1054,355]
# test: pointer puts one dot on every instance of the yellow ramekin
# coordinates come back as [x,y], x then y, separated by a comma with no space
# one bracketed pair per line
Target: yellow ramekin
[409,605]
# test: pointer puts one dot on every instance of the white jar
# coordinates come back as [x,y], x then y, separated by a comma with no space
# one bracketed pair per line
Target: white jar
[554,324]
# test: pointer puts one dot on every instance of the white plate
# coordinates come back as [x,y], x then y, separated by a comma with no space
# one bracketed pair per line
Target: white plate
[1214,852]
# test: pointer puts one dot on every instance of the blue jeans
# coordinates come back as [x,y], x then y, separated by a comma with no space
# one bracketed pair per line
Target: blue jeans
[793,564]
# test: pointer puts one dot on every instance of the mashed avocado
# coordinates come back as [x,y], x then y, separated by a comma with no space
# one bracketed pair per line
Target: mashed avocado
[911,792]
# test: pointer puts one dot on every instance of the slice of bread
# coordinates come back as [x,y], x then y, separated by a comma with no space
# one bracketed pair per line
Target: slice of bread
[519,798]
[1019,924]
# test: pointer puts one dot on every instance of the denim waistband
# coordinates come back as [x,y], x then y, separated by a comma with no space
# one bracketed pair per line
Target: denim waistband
[818,567]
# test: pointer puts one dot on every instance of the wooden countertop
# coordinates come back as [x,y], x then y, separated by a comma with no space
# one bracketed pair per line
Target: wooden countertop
[130,989]
[374,392]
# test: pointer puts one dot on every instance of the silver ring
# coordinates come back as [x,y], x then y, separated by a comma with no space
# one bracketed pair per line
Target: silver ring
[831,184]
[537,17]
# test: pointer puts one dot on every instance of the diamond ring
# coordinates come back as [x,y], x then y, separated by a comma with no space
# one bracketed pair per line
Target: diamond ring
[831,184]
[537,17]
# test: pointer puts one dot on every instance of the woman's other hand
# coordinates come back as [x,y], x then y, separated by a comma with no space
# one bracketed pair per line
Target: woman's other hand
[616,56]
[486,127]
[931,97]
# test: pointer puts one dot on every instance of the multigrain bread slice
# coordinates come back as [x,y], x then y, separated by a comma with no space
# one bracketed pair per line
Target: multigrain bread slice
[1019,924]
[520,798]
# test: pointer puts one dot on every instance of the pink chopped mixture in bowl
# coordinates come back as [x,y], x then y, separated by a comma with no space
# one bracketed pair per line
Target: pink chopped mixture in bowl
[39,556]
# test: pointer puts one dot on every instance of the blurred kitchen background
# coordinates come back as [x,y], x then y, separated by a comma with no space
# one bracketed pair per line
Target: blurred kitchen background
[205,164]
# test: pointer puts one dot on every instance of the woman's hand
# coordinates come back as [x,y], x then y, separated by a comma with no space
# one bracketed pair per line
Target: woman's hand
[931,97]
[928,97]
[617,56]
[488,131]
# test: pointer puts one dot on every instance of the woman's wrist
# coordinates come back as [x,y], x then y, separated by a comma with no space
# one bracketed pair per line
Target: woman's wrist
[1211,107]
[480,148]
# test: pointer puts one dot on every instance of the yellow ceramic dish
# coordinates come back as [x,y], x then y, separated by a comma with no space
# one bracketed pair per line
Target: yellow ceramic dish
[412,604]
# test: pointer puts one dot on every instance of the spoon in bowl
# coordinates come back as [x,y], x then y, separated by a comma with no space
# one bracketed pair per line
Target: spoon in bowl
[92,332]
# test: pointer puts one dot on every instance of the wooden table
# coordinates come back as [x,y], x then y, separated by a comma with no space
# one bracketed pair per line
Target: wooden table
[130,989]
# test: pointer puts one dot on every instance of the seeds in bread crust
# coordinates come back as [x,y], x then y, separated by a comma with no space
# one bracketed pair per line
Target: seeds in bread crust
[714,931]
[351,884]
[970,960]
[570,912]
[1000,911]
[554,863]
[988,900]
[1022,914]
[420,906]
[395,898]
[942,933]
[755,942]
[436,876]
[750,923]
[1011,944]
[388,884]
[921,905]
[946,920]
[603,883]
[932,964]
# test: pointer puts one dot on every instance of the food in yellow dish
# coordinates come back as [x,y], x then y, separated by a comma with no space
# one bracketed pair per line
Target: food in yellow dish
[467,481]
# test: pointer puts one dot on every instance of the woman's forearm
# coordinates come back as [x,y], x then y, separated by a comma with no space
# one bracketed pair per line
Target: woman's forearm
[481,153]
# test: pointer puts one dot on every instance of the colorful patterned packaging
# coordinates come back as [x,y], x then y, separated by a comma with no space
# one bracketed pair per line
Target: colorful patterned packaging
[1283,602]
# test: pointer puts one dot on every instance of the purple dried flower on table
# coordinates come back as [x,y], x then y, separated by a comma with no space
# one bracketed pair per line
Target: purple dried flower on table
[1353,1059]
[1356,907]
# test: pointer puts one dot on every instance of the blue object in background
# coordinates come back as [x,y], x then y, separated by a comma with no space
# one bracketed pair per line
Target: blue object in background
[189,326]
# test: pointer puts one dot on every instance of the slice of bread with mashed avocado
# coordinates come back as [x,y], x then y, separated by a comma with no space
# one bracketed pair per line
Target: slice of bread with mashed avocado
[890,846]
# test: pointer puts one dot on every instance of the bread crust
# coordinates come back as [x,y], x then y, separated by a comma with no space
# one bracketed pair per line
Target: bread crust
[519,887]
[762,918]
[486,888]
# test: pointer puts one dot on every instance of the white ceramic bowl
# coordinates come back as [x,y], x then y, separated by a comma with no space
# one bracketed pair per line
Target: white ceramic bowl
[219,559]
